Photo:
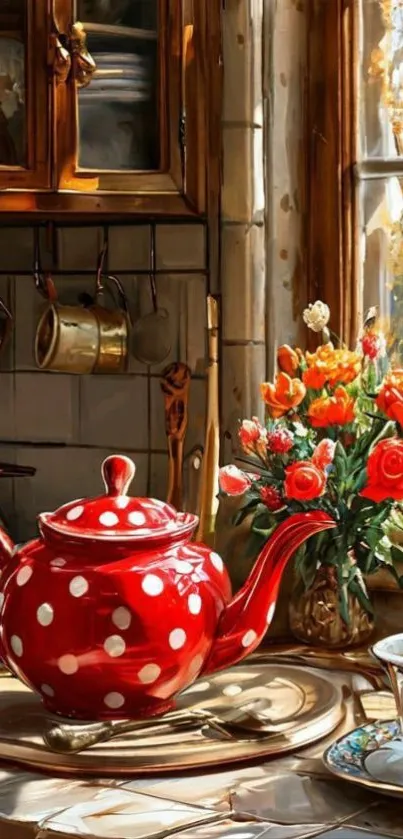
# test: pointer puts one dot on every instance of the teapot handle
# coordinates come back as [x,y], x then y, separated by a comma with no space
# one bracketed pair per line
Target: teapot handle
[118,472]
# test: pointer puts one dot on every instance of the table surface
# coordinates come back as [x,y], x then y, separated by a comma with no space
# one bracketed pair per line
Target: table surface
[288,798]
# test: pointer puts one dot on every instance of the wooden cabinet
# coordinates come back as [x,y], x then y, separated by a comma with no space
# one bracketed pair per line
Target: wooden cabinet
[107,106]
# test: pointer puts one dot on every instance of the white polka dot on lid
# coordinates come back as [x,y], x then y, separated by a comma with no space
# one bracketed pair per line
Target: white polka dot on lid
[78,586]
[152,585]
[68,664]
[75,513]
[190,553]
[183,567]
[177,639]
[47,690]
[122,502]
[121,617]
[24,575]
[108,519]
[249,638]
[195,604]
[137,518]
[16,645]
[58,562]
[45,614]
[149,674]
[114,700]
[114,646]
[217,561]
[270,613]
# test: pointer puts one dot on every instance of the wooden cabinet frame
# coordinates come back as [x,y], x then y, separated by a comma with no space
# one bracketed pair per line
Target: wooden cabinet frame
[36,173]
[331,219]
[190,98]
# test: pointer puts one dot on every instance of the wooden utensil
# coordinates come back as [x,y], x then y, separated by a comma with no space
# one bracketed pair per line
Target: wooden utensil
[211,458]
[175,384]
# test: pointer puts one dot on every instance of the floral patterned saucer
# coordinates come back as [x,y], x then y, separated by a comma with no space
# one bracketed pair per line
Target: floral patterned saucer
[350,757]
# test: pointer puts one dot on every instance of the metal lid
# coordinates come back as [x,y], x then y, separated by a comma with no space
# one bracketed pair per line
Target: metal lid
[116,516]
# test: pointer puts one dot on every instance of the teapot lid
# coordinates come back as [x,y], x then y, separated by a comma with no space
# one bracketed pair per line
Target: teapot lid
[116,516]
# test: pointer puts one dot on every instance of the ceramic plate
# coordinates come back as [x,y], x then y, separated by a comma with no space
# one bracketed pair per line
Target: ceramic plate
[312,701]
[371,756]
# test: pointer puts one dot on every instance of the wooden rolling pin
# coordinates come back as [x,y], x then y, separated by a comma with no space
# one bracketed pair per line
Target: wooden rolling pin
[211,457]
[175,384]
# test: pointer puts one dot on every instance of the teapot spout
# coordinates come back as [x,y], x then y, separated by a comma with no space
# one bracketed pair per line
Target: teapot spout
[247,617]
[6,549]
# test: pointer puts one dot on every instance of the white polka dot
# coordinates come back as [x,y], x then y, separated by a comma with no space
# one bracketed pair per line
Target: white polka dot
[196,664]
[249,638]
[58,562]
[195,604]
[177,639]
[149,674]
[1,600]
[217,561]
[183,567]
[232,690]
[108,519]
[114,700]
[24,575]
[45,614]
[152,585]
[75,513]
[122,502]
[122,618]
[47,690]
[78,586]
[16,645]
[114,646]
[137,518]
[68,664]
[270,613]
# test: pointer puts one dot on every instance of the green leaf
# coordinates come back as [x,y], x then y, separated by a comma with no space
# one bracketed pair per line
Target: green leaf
[361,596]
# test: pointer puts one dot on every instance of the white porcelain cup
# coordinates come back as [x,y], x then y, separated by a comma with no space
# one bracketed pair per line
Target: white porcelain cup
[389,652]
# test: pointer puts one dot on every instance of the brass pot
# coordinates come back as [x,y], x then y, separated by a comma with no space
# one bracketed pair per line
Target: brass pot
[315,617]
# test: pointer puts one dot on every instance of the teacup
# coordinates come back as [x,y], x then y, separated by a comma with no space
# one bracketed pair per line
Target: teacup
[389,652]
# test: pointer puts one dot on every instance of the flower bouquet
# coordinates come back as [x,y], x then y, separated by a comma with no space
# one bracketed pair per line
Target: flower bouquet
[333,441]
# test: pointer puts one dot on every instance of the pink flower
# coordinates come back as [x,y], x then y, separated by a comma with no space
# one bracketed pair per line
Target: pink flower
[373,344]
[232,481]
[280,441]
[252,436]
[271,498]
[324,453]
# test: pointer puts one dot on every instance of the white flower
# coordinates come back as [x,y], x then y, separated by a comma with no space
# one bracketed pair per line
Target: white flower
[300,429]
[316,316]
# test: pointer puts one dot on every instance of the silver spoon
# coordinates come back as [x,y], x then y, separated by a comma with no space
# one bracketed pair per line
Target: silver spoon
[71,739]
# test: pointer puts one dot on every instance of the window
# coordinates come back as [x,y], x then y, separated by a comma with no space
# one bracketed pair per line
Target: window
[355,169]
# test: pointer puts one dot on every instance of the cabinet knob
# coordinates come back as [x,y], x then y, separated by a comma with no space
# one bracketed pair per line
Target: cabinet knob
[84,65]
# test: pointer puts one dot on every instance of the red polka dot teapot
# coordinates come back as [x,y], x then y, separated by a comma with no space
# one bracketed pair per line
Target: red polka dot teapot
[114,610]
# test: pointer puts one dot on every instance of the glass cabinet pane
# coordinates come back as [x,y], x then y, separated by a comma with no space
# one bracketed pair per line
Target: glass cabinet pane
[118,110]
[13,14]
[381,252]
[381,78]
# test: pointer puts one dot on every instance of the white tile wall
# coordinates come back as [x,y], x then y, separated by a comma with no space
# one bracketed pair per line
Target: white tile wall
[64,425]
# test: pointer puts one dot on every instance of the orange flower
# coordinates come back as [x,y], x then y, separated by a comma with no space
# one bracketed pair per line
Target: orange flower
[332,366]
[390,398]
[282,396]
[288,359]
[332,410]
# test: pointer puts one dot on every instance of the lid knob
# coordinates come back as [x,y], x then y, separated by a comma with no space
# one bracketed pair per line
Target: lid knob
[118,472]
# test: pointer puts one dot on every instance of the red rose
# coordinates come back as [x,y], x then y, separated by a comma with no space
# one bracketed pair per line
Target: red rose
[385,471]
[252,436]
[232,481]
[304,481]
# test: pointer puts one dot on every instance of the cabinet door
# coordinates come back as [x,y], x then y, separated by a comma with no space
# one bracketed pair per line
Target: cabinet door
[131,121]
[24,121]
